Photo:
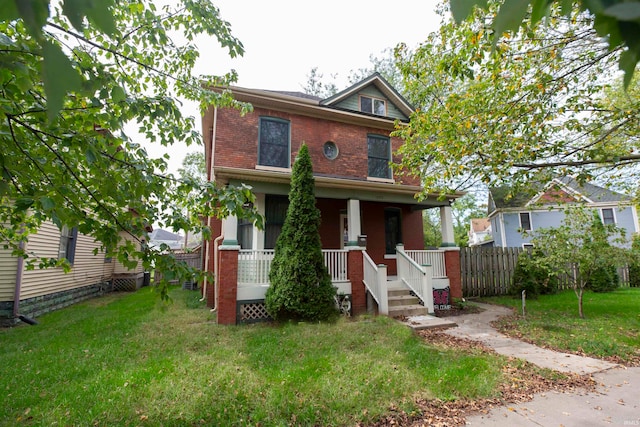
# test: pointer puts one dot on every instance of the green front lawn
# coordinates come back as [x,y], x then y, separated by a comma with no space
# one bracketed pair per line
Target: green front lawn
[126,359]
[610,329]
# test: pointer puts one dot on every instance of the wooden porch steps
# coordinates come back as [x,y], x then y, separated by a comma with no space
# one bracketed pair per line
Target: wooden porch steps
[402,303]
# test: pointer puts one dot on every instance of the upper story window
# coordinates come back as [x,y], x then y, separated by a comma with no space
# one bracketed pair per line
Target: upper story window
[607,216]
[274,142]
[373,105]
[379,150]
[67,248]
[525,221]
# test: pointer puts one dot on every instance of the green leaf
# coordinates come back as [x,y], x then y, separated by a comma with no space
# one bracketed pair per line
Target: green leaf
[73,9]
[59,77]
[101,15]
[91,154]
[510,16]
[97,12]
[34,13]
[9,11]
[624,11]
[628,61]
[47,203]
[118,94]
[23,203]
[566,6]
[460,9]
[539,9]
[4,187]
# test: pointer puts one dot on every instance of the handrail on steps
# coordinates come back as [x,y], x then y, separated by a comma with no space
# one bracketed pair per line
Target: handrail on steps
[416,277]
[375,280]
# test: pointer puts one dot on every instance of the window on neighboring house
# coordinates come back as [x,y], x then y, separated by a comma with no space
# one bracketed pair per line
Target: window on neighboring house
[275,212]
[392,230]
[527,246]
[379,149]
[607,216]
[373,105]
[245,233]
[67,248]
[274,142]
[525,221]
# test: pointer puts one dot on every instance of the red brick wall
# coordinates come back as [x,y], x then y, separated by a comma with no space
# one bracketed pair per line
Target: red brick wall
[227,287]
[452,264]
[356,277]
[237,142]
[330,221]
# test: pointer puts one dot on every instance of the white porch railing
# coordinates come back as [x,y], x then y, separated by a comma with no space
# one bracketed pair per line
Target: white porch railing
[375,279]
[434,258]
[254,265]
[418,278]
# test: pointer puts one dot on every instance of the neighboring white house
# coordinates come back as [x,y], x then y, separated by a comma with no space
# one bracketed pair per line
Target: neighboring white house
[480,232]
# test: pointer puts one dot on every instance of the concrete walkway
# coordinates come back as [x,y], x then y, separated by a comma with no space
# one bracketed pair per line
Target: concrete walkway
[616,401]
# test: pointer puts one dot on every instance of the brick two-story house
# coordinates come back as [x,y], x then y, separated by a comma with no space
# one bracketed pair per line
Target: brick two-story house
[366,209]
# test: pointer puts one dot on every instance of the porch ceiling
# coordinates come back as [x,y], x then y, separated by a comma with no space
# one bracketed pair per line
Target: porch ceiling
[277,182]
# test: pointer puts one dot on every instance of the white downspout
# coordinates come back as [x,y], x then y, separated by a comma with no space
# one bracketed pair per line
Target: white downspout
[211,178]
[215,271]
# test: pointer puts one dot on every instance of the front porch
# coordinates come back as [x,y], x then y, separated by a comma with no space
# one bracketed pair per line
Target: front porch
[421,275]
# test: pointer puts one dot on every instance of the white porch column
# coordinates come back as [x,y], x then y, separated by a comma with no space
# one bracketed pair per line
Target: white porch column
[446,226]
[230,231]
[353,222]
[258,235]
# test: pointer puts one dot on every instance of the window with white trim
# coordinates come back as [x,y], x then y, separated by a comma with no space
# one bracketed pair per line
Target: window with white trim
[372,105]
[608,216]
[67,248]
[379,151]
[525,221]
[274,142]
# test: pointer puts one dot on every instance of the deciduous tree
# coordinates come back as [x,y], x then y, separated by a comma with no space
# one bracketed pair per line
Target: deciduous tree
[578,249]
[72,74]
[525,106]
[616,20]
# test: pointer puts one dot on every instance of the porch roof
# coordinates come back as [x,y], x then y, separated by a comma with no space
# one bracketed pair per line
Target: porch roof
[277,182]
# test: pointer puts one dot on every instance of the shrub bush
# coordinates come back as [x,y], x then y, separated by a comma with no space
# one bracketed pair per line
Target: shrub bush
[301,287]
[527,276]
[604,278]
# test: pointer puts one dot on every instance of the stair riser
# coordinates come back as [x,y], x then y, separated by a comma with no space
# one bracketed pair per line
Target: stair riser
[404,311]
[402,301]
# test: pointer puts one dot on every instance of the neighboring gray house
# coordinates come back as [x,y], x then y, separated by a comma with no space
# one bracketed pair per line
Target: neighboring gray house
[511,215]
[172,240]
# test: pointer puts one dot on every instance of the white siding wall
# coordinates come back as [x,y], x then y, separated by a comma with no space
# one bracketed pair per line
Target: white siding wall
[8,267]
[87,268]
[121,269]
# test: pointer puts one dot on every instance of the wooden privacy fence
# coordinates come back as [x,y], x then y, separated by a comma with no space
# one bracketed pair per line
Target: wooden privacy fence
[192,259]
[488,271]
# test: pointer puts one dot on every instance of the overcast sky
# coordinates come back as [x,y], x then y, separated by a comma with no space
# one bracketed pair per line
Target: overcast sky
[285,39]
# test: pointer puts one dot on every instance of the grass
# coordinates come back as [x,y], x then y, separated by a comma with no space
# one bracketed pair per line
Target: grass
[610,329]
[126,359]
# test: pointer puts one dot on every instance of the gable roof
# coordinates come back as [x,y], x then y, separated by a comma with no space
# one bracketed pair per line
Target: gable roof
[381,84]
[479,225]
[160,234]
[559,190]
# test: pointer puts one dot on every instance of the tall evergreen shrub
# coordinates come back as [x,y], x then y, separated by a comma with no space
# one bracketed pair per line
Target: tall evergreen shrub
[301,287]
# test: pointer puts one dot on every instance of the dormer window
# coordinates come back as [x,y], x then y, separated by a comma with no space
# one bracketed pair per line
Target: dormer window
[373,105]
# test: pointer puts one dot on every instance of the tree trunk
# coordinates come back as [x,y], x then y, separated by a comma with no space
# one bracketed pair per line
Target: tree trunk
[580,312]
